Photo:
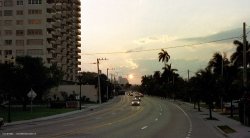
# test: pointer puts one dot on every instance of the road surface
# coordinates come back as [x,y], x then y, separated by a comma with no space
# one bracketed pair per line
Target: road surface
[155,117]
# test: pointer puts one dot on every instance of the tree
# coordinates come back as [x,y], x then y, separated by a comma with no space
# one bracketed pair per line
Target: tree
[237,57]
[164,56]
[207,83]
[29,73]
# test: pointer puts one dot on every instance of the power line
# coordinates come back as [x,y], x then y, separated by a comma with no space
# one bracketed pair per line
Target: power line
[156,49]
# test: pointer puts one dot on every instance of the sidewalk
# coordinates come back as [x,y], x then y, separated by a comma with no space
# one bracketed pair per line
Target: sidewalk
[85,107]
[241,130]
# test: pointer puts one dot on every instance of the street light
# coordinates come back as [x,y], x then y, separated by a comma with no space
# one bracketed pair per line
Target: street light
[10,62]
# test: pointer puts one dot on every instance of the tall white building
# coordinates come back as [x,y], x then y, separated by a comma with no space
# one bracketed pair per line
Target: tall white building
[49,29]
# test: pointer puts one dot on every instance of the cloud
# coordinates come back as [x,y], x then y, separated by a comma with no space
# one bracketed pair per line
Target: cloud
[220,35]
[154,39]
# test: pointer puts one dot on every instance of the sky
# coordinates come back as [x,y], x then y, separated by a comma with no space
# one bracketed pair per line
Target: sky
[130,34]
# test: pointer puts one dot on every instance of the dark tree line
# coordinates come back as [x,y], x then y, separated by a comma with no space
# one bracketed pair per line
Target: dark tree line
[220,80]
[17,79]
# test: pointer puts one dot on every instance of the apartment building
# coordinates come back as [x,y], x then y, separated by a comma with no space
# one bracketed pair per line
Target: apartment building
[49,29]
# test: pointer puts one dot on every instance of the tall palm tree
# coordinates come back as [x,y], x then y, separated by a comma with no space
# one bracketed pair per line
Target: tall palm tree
[217,63]
[207,84]
[168,72]
[164,57]
[237,57]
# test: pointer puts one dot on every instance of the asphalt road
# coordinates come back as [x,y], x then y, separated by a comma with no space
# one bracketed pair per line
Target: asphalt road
[153,118]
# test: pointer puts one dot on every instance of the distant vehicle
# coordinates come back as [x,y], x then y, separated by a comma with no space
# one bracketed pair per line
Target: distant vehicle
[137,98]
[235,104]
[135,102]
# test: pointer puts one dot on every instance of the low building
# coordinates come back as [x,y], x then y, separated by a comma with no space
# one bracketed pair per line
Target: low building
[89,91]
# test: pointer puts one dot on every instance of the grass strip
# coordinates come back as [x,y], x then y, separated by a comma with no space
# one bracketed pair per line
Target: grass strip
[226,129]
[17,114]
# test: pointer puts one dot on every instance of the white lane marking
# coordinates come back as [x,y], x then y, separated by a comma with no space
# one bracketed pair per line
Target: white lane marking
[68,125]
[156,119]
[189,120]
[97,118]
[144,127]
[160,113]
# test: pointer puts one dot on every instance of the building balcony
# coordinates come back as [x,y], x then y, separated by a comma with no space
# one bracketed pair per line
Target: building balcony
[49,46]
[78,57]
[57,16]
[78,38]
[78,44]
[64,14]
[64,6]
[49,25]
[57,7]
[49,15]
[78,50]
[56,24]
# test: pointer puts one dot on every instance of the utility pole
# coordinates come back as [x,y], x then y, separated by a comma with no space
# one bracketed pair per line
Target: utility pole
[188,75]
[99,81]
[244,67]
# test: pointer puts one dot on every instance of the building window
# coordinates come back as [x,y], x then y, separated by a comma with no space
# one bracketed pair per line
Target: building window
[35,42]
[8,3]
[8,42]
[7,22]
[19,52]
[19,42]
[19,22]
[19,12]
[0,53]
[8,32]
[1,3]
[19,32]
[1,13]
[0,22]
[35,52]
[7,52]
[35,1]
[34,32]
[19,2]
[34,11]
[7,13]
[35,21]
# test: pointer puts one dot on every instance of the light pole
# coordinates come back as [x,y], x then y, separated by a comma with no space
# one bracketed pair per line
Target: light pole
[99,81]
[80,77]
[10,62]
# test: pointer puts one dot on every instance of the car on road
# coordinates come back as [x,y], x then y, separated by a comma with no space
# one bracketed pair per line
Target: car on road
[135,102]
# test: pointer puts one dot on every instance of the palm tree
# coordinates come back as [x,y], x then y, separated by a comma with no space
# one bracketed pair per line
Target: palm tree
[217,63]
[207,84]
[237,57]
[168,72]
[164,57]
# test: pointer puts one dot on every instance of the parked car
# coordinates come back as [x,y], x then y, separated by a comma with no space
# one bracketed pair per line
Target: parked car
[235,104]
[135,102]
